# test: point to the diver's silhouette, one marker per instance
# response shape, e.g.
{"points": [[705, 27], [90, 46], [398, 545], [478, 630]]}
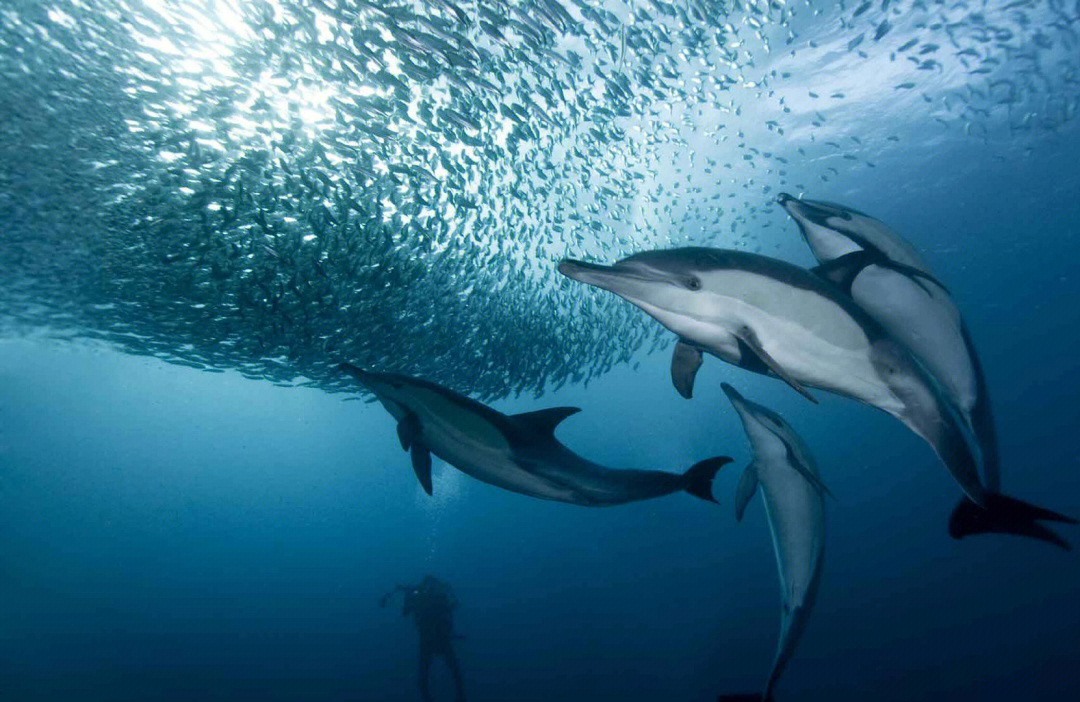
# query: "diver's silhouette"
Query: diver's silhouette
{"points": [[431, 604]]}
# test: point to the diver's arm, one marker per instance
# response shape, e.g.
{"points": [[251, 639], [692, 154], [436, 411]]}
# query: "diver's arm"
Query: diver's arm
{"points": [[397, 588]]}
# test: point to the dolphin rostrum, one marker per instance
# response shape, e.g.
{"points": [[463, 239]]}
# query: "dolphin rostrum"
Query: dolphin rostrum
{"points": [[886, 277], [770, 316], [795, 507], [515, 452]]}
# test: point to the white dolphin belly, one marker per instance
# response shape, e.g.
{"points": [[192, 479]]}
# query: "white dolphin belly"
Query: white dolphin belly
{"points": [[811, 336], [797, 522]]}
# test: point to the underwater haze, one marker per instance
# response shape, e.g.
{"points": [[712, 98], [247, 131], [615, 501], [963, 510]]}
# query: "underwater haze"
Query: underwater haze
{"points": [[207, 205]]}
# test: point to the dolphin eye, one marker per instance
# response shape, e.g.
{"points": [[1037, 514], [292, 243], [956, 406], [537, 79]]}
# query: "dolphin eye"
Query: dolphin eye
{"points": [[693, 283]]}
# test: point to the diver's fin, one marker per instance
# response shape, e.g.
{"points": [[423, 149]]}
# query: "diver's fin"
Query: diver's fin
{"points": [[982, 421], [745, 490], [699, 477], [748, 337], [421, 463], [544, 421], [408, 430], [1006, 515], [685, 361]]}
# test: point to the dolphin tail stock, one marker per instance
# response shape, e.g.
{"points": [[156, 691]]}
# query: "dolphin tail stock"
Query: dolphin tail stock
{"points": [[698, 479], [925, 410], [1006, 515], [982, 420]]}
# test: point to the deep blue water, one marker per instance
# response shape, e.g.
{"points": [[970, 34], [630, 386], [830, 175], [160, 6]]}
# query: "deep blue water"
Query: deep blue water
{"points": [[172, 533]]}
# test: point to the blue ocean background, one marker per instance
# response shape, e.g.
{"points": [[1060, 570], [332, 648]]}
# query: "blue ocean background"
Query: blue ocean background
{"points": [[176, 534]]}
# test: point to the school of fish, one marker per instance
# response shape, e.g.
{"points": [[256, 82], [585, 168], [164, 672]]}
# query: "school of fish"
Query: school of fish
{"points": [[257, 186], [400, 199]]}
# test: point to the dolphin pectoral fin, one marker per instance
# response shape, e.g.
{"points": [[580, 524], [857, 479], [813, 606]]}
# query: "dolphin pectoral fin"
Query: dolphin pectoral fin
{"points": [[750, 339], [544, 421], [745, 490], [421, 463], [685, 361], [408, 430]]}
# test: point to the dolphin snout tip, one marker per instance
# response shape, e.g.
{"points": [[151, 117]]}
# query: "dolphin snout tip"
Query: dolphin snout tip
{"points": [[355, 371], [731, 392], [580, 270], [568, 267]]}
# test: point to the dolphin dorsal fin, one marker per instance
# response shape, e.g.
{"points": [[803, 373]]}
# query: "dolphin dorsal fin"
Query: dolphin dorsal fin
{"points": [[544, 421], [685, 361], [745, 490], [842, 271]]}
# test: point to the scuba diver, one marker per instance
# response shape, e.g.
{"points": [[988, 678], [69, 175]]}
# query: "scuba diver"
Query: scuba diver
{"points": [[431, 604]]}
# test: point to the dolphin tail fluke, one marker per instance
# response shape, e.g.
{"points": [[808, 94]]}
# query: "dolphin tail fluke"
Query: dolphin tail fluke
{"points": [[1006, 515], [699, 478]]}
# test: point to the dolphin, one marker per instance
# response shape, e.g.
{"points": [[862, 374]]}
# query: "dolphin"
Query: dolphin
{"points": [[795, 507], [516, 452], [886, 277], [769, 316]]}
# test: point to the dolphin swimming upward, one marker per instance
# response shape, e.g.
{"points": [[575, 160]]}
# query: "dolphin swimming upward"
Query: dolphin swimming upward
{"points": [[795, 507], [766, 315], [515, 452], [885, 276]]}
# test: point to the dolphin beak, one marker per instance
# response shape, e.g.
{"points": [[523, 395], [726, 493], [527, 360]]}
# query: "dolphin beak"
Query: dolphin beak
{"points": [[733, 395], [584, 272], [738, 402], [365, 377], [792, 205], [610, 278]]}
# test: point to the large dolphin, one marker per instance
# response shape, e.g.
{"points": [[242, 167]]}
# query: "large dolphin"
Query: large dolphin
{"points": [[889, 280], [767, 315], [515, 452], [795, 507]]}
